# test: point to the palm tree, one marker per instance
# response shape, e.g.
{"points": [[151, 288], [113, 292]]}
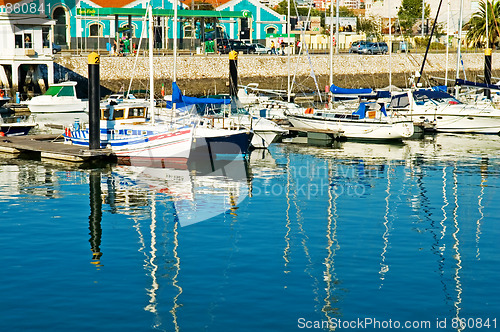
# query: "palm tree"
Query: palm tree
{"points": [[476, 27]]}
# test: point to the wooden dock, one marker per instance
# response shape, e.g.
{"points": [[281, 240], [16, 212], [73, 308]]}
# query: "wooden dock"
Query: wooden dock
{"points": [[53, 147]]}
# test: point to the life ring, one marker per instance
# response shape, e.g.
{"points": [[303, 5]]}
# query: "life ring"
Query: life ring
{"points": [[309, 111], [2, 93]]}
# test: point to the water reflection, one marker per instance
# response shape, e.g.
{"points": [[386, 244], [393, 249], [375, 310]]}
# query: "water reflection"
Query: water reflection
{"points": [[95, 216], [418, 217], [422, 163]]}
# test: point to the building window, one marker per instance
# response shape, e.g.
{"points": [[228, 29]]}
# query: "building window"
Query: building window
{"points": [[19, 41], [270, 30], [188, 31], [95, 30], [46, 36], [23, 40], [28, 40], [60, 28], [127, 31]]}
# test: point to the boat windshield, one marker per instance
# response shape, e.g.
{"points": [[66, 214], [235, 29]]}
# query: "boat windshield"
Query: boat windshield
{"points": [[61, 91]]}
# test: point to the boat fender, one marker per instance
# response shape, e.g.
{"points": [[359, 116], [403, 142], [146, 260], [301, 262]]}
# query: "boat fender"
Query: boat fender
{"points": [[2, 134], [309, 111], [67, 132]]}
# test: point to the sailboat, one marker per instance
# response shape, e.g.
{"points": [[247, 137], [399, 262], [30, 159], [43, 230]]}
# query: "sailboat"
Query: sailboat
{"points": [[125, 130], [209, 138], [369, 121], [447, 113]]}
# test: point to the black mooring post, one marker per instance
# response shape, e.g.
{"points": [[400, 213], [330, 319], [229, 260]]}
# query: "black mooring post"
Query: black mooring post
{"points": [[487, 71], [94, 98], [233, 73]]}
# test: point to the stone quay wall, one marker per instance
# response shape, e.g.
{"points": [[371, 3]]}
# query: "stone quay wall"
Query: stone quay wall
{"points": [[209, 74]]}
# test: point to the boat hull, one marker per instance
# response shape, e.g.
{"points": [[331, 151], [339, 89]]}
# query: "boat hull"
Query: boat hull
{"points": [[16, 129], [169, 147], [369, 130], [459, 123]]}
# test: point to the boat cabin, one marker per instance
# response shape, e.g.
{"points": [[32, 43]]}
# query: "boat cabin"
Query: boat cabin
{"points": [[125, 111]]}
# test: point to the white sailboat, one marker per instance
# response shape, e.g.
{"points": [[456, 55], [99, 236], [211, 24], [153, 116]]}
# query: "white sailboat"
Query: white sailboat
{"points": [[447, 113], [125, 130]]}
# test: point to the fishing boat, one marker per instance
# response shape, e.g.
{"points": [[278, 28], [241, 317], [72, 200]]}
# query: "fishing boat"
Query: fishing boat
{"points": [[125, 129], [446, 113]]}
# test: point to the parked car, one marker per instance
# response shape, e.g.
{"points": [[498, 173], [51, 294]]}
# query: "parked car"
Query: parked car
{"points": [[225, 46], [260, 49], [56, 48], [357, 45], [375, 48]]}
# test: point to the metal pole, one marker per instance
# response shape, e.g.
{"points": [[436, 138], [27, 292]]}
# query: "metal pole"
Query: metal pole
{"points": [[331, 43], [151, 71], [457, 74], [94, 99], [288, 27], [423, 14], [337, 29]]}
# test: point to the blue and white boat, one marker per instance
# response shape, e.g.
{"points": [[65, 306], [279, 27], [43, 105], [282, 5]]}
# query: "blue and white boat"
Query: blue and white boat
{"points": [[125, 129]]}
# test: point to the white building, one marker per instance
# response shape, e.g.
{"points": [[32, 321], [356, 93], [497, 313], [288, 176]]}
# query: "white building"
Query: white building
{"points": [[384, 8], [25, 48]]}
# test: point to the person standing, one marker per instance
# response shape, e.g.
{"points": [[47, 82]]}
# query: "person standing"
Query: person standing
{"points": [[273, 47]]}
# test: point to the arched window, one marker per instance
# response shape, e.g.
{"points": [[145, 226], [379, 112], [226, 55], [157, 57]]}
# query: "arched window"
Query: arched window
{"points": [[95, 30], [129, 32], [60, 28], [270, 30], [188, 31]]}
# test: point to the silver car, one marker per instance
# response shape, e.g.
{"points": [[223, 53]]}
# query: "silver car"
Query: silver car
{"points": [[260, 49]]}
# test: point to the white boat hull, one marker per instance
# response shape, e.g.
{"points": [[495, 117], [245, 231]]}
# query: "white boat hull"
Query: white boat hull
{"points": [[49, 104], [372, 130], [467, 122]]}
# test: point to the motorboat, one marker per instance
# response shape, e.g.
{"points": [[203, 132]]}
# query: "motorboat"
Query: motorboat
{"points": [[59, 107], [446, 113], [59, 98]]}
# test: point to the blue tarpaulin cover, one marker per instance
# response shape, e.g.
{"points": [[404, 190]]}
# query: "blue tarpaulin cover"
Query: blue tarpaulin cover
{"points": [[336, 89], [182, 100]]}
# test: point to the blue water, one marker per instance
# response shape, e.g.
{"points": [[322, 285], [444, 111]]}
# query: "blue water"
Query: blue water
{"points": [[299, 237]]}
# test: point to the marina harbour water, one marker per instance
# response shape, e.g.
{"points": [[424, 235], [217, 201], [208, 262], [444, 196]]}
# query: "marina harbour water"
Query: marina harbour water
{"points": [[356, 236]]}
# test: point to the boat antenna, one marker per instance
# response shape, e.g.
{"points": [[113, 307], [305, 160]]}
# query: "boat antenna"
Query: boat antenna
{"points": [[429, 42]]}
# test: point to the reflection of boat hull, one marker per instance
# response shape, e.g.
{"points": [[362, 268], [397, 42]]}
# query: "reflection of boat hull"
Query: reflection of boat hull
{"points": [[355, 129], [262, 139]]}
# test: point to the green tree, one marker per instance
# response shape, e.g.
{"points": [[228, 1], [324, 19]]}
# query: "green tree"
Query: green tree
{"points": [[476, 27], [369, 26], [410, 13], [282, 8]]}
